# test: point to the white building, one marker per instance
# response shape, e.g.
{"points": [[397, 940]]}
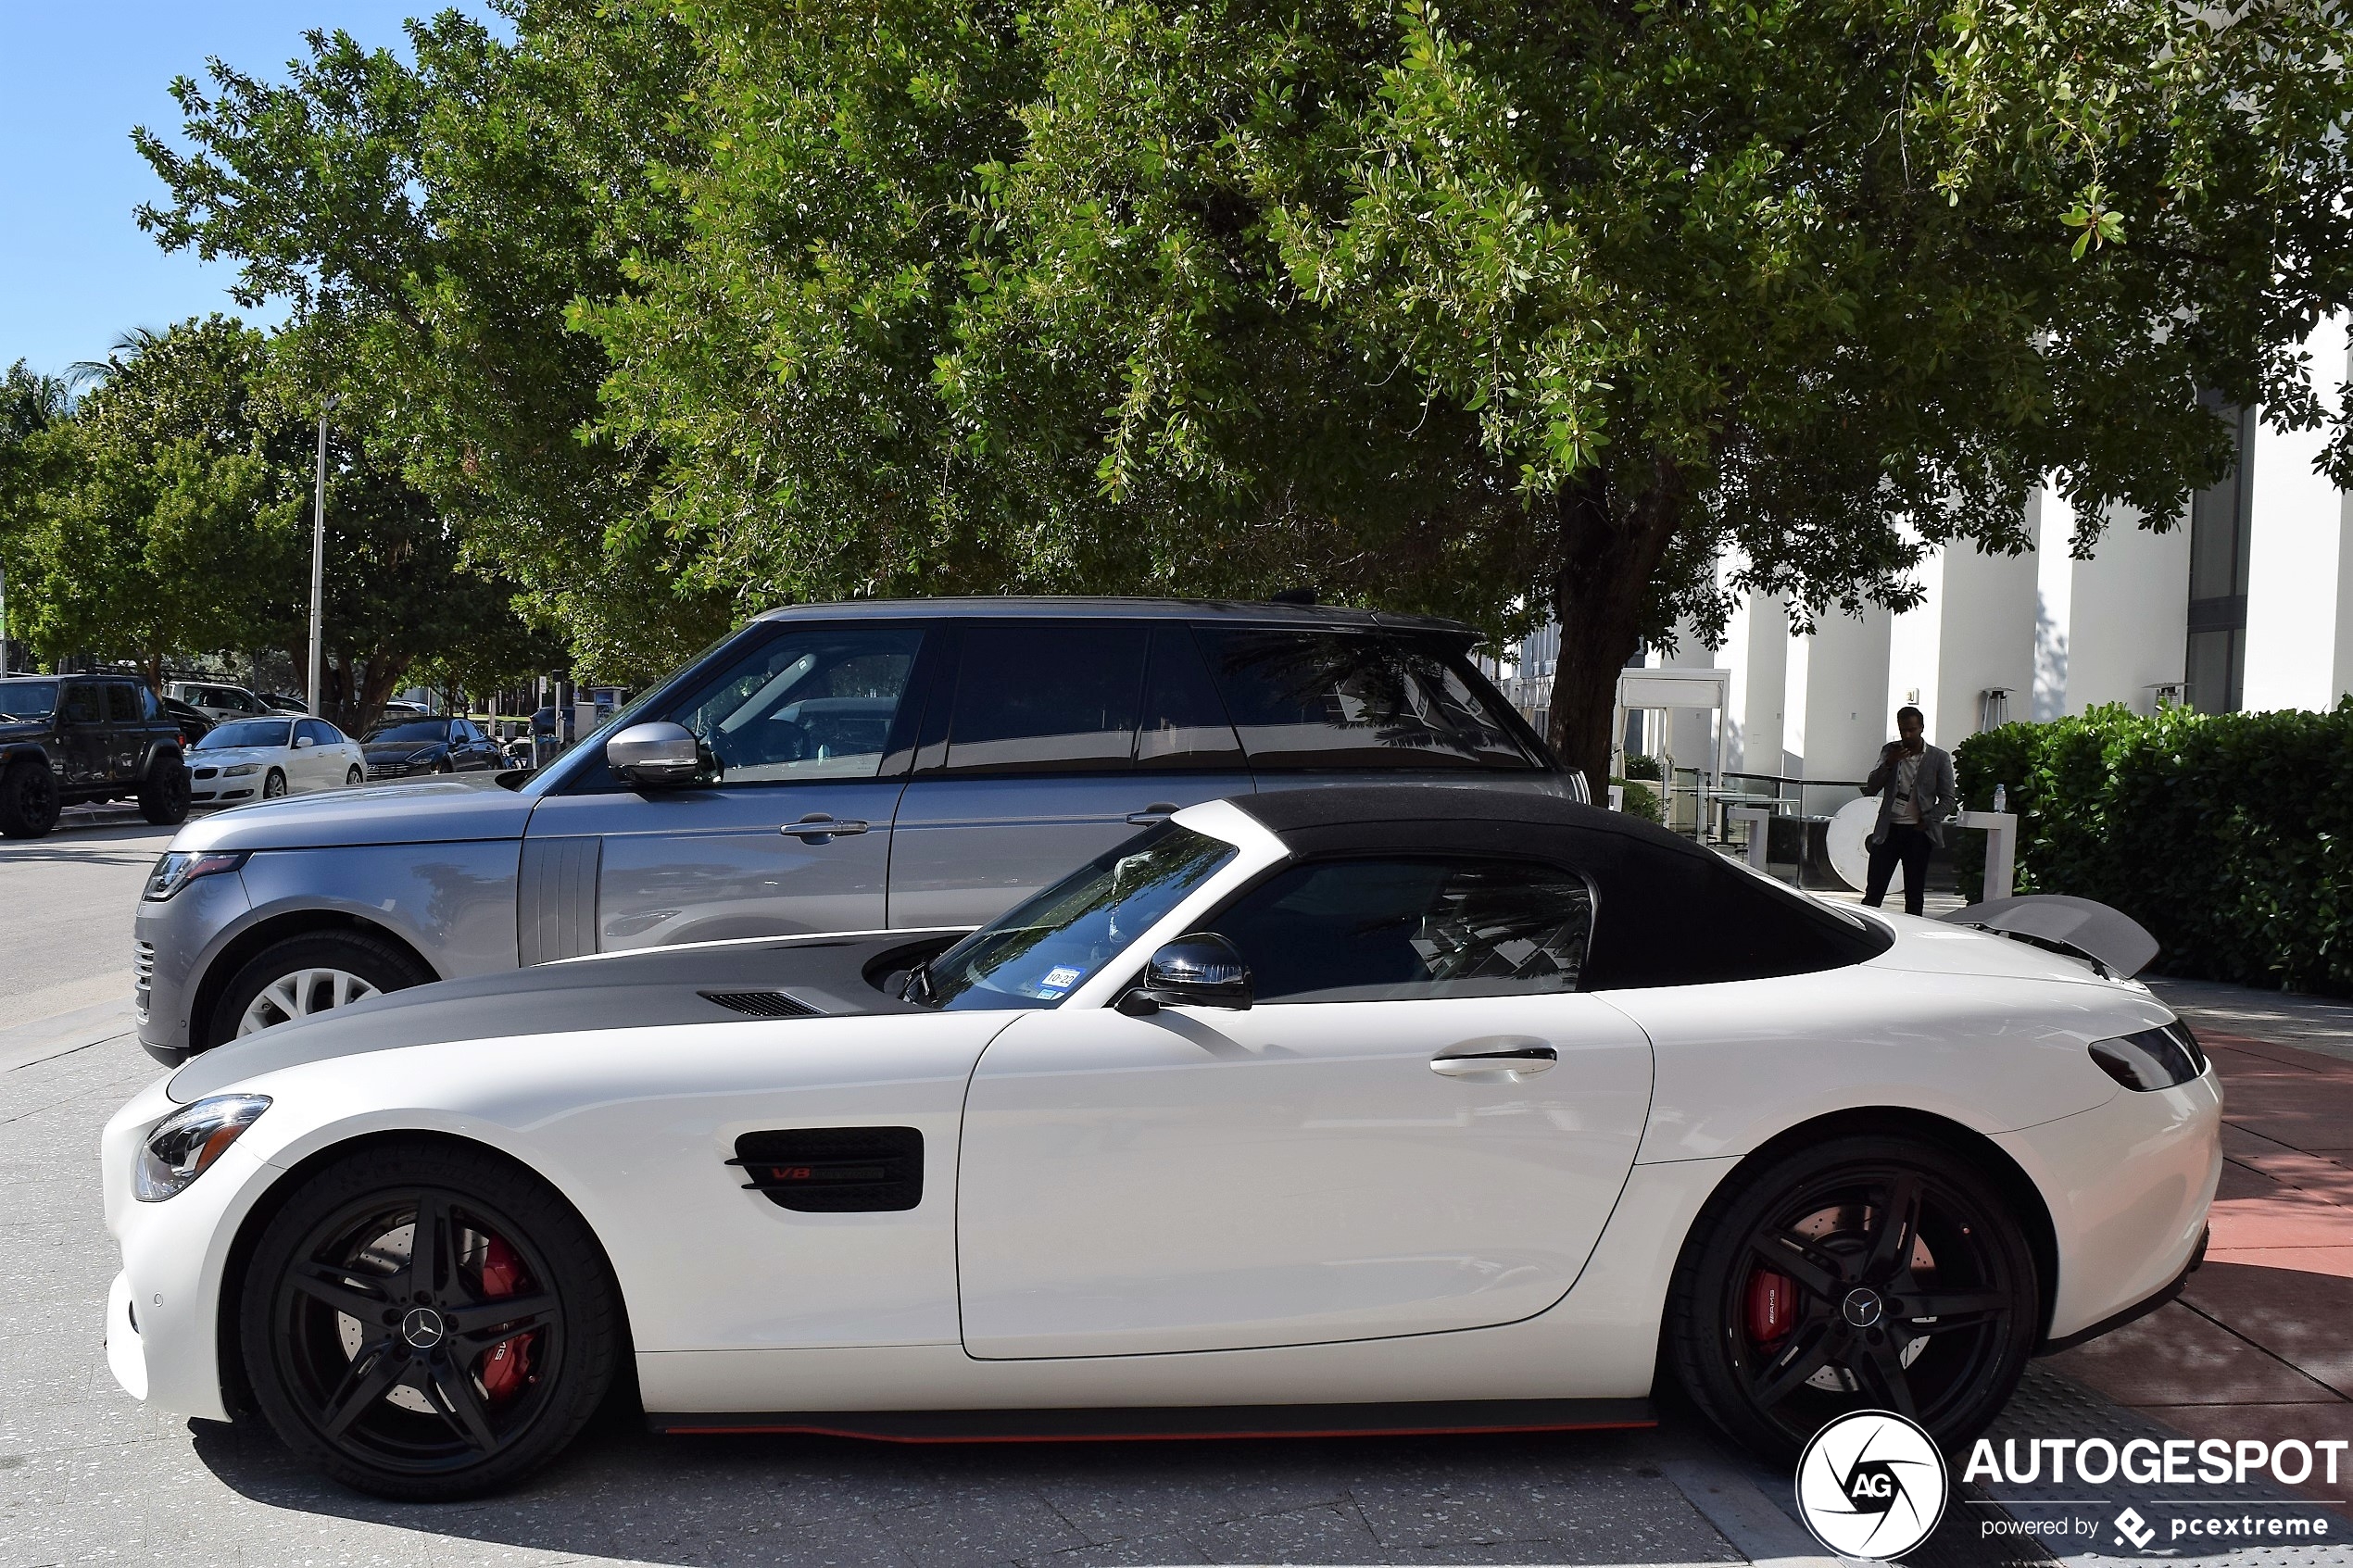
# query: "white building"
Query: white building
{"points": [[2247, 603]]}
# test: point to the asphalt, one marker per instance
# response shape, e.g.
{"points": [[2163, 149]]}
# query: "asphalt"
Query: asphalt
{"points": [[88, 1475]]}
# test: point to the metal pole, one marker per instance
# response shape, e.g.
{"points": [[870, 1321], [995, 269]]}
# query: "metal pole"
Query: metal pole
{"points": [[318, 559], [4, 623]]}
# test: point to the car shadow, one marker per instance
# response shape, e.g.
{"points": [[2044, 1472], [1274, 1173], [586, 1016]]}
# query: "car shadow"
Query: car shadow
{"points": [[620, 1492]]}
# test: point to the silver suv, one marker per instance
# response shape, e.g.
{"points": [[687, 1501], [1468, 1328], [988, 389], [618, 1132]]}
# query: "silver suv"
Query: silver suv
{"points": [[828, 768]]}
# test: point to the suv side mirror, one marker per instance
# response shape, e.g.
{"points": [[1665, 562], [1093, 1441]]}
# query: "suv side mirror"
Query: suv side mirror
{"points": [[1199, 970], [658, 755]]}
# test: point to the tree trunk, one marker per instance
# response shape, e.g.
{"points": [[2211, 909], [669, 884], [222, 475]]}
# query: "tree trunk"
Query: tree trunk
{"points": [[1608, 552]]}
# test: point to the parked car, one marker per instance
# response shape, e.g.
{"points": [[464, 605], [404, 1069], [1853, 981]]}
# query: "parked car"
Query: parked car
{"points": [[263, 758], [217, 702], [827, 768], [406, 747], [70, 740], [193, 723], [1353, 1110], [281, 703]]}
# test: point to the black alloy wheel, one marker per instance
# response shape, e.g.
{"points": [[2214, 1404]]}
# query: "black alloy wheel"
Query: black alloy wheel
{"points": [[428, 1322], [1862, 1274], [164, 795], [273, 786], [28, 798]]}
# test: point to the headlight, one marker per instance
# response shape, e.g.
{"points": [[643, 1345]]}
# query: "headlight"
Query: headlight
{"points": [[241, 770], [2152, 1059], [416, 756], [185, 1145], [180, 867]]}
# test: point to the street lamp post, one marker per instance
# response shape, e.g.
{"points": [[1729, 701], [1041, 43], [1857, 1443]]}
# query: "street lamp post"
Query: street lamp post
{"points": [[4, 623], [318, 559]]}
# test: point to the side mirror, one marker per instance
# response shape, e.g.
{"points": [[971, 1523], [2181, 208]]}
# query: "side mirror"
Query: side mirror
{"points": [[658, 755], [305, 744], [1201, 970]]}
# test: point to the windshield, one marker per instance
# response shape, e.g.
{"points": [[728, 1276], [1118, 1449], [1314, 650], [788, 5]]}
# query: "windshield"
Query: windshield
{"points": [[28, 699], [422, 732], [1051, 945], [246, 731]]}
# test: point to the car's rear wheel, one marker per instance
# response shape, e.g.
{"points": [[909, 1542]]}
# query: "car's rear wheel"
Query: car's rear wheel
{"points": [[164, 794], [1864, 1273], [28, 798], [306, 975], [428, 1322], [353, 778]]}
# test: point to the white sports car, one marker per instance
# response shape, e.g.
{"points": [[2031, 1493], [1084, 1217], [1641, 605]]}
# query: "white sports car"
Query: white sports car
{"points": [[1333, 1109]]}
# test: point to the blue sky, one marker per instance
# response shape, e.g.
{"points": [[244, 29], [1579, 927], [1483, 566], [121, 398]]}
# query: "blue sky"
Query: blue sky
{"points": [[75, 271]]}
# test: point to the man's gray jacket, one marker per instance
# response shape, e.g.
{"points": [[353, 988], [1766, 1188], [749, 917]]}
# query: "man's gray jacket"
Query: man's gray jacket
{"points": [[1933, 790]]}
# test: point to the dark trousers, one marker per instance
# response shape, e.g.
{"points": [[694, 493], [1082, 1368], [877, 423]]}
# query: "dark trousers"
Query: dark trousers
{"points": [[1909, 846]]}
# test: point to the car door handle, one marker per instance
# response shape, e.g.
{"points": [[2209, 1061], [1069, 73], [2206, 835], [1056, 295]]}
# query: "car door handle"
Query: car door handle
{"points": [[1158, 811], [1464, 1061], [817, 827]]}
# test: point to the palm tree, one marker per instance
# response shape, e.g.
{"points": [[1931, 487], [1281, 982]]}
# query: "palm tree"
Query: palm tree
{"points": [[120, 352]]}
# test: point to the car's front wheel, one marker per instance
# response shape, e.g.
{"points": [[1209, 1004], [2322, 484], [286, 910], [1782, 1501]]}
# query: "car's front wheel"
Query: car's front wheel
{"points": [[428, 1322], [1862, 1273], [28, 798], [305, 975], [274, 786]]}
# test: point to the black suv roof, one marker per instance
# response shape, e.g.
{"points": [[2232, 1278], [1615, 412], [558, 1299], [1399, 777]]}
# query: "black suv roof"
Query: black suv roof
{"points": [[1041, 605]]}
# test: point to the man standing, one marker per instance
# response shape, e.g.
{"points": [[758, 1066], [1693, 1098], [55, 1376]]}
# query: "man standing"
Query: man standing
{"points": [[1914, 782]]}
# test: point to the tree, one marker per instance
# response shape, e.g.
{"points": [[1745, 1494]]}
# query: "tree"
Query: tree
{"points": [[32, 406], [1488, 307]]}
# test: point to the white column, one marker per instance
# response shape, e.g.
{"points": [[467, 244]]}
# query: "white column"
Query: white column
{"points": [[2052, 521], [2127, 615], [1985, 639], [1765, 697], [1849, 717], [1915, 648], [2296, 606]]}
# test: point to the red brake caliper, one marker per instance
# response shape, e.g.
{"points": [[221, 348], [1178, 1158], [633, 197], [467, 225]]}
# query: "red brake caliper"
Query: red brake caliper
{"points": [[506, 1366], [1772, 1308]]}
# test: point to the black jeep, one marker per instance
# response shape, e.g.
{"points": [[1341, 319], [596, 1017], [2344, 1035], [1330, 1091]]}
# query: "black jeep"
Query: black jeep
{"points": [[70, 739]]}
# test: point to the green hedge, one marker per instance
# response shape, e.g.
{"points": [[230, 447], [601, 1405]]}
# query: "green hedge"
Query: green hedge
{"points": [[2229, 835]]}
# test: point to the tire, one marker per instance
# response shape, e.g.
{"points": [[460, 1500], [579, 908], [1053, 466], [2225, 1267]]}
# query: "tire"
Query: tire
{"points": [[273, 786], [1791, 1303], [306, 975], [353, 778], [445, 765], [28, 798], [434, 1383], [163, 794]]}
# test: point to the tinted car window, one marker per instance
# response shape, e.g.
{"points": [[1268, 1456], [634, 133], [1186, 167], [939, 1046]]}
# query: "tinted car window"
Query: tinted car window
{"points": [[1185, 725], [121, 707], [1343, 700], [246, 731], [812, 703], [1047, 697], [1367, 930], [81, 705], [28, 699], [148, 707], [414, 732], [315, 731]]}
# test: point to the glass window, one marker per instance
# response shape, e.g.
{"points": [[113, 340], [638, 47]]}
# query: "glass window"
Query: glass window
{"points": [[28, 699], [148, 707], [81, 705], [1342, 700], [246, 731], [1185, 725], [411, 732], [1047, 697], [1051, 945], [1384, 930], [811, 703], [314, 731], [121, 707]]}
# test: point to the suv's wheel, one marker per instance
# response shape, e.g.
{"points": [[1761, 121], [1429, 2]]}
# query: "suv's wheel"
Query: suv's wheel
{"points": [[28, 798], [308, 974], [274, 786], [163, 795], [428, 1322], [1862, 1273]]}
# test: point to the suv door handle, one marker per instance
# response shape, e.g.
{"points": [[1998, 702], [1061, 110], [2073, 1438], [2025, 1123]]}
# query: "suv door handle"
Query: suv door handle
{"points": [[1464, 1060], [1158, 811], [817, 827]]}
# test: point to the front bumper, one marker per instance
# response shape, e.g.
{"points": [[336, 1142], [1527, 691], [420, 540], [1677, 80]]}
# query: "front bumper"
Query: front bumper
{"points": [[170, 940]]}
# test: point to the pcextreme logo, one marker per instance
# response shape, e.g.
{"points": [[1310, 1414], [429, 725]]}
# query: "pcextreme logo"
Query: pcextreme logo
{"points": [[1871, 1485]]}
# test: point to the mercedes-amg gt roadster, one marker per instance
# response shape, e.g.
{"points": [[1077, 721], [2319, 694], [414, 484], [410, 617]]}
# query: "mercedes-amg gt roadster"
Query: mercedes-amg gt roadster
{"points": [[1340, 1109]]}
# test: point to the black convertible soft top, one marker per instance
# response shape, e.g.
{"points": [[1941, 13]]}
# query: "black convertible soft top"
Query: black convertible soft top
{"points": [[1667, 912]]}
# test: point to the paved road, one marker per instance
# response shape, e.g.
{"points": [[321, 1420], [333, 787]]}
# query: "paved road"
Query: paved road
{"points": [[88, 1475]]}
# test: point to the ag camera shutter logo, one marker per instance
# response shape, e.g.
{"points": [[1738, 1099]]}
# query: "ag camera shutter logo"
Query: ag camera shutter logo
{"points": [[1871, 1485]]}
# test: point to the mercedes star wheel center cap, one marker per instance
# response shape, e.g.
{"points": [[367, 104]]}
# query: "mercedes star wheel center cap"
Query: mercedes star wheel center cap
{"points": [[423, 1328], [1861, 1306]]}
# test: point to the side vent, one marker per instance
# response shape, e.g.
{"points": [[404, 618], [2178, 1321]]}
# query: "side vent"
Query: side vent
{"points": [[762, 1004], [834, 1170], [556, 899]]}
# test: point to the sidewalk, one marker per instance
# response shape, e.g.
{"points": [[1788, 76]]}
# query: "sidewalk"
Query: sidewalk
{"points": [[2261, 1344]]}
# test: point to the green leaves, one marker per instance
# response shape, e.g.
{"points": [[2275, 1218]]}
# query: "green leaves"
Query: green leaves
{"points": [[2101, 224]]}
